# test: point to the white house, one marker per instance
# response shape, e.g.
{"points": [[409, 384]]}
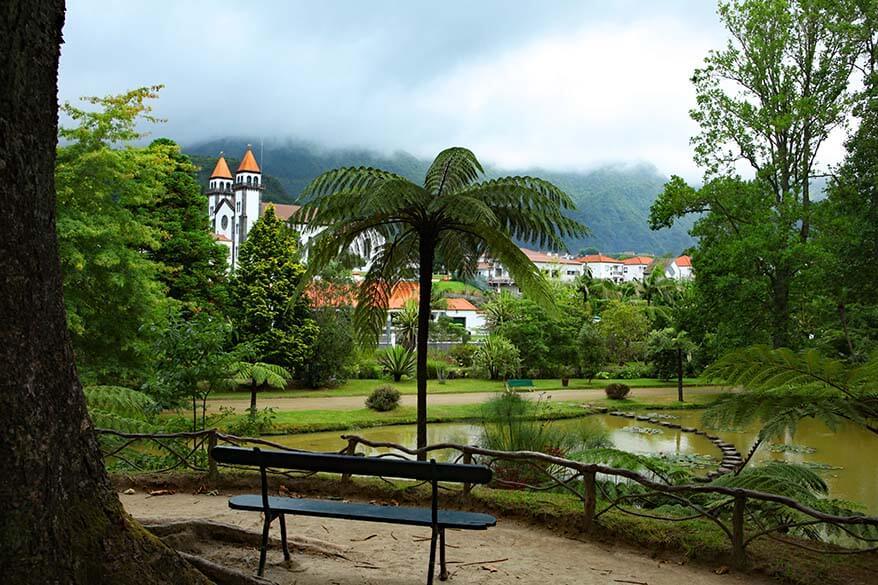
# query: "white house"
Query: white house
{"points": [[604, 267], [635, 268], [680, 268], [555, 266]]}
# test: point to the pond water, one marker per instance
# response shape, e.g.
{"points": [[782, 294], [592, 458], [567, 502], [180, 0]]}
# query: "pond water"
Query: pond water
{"points": [[849, 453]]}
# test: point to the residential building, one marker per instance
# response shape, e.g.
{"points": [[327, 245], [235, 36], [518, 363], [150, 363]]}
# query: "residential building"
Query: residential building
{"points": [[680, 268], [603, 267], [635, 268]]}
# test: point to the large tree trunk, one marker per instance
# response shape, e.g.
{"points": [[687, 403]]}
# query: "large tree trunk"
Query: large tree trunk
{"points": [[61, 519], [426, 253]]}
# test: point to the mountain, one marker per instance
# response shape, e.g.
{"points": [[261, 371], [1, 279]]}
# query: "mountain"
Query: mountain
{"points": [[613, 201]]}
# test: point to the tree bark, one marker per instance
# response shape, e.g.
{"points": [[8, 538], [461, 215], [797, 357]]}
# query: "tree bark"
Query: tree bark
{"points": [[680, 374], [61, 521], [426, 257]]}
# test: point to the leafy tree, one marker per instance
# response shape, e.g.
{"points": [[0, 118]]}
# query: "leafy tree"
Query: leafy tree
{"points": [[625, 327], [498, 357], [333, 348], [112, 291], [592, 351], [192, 361], [452, 219], [193, 263], [270, 315], [259, 376], [669, 350], [769, 100]]}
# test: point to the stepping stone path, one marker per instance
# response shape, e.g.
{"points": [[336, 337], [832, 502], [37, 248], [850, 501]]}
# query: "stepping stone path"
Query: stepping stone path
{"points": [[730, 462]]}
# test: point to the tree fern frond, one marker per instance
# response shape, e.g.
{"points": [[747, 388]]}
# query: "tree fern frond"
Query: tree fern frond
{"points": [[785, 479], [104, 419], [452, 169], [120, 401]]}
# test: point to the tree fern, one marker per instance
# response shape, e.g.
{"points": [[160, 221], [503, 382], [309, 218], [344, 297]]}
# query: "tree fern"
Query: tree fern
{"points": [[451, 219], [119, 402]]}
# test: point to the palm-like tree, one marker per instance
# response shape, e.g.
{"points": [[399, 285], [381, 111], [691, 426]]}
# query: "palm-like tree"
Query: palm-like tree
{"points": [[258, 376], [656, 287], [451, 220]]}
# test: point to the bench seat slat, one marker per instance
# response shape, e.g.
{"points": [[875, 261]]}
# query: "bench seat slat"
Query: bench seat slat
{"points": [[364, 512]]}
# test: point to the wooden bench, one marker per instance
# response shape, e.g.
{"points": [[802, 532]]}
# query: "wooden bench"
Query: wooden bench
{"points": [[278, 507], [512, 385]]}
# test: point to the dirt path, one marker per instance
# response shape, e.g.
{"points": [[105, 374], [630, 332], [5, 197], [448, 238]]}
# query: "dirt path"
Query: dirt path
{"points": [[392, 555], [354, 402]]}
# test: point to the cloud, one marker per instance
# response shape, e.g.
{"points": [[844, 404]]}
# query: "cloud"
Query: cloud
{"points": [[526, 83]]}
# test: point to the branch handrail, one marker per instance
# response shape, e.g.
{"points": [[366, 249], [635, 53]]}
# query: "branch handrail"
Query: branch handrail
{"points": [[544, 463]]}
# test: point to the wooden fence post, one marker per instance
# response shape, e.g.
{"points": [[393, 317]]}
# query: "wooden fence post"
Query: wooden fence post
{"points": [[738, 553], [212, 470], [351, 449], [589, 498], [467, 460]]}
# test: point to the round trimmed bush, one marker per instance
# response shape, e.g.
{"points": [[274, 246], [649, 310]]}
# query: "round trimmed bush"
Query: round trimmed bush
{"points": [[617, 391], [383, 398]]}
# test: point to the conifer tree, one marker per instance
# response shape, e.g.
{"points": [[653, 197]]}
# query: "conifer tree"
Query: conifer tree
{"points": [[269, 315]]}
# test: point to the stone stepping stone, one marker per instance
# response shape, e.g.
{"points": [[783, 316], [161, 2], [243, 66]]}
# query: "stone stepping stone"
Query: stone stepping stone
{"points": [[687, 429]]}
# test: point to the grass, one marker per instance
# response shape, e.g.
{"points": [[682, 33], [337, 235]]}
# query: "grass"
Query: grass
{"points": [[457, 386]]}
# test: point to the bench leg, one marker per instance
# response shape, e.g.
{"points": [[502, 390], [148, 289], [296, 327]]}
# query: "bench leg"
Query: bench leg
{"points": [[432, 567], [262, 551], [283, 536], [443, 572]]}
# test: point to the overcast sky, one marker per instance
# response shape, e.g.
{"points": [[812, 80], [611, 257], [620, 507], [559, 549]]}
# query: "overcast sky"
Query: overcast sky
{"points": [[562, 85]]}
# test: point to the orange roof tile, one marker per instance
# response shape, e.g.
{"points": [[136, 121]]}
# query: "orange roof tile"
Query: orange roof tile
{"points": [[597, 259], [221, 238], [459, 305], [683, 261], [248, 163], [546, 258], [221, 170], [638, 260], [282, 210]]}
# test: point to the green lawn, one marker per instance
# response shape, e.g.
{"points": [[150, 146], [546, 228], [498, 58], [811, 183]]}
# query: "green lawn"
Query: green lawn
{"points": [[459, 386]]}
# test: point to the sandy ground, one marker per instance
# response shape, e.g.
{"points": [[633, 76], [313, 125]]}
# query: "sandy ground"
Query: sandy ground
{"points": [[353, 402], [389, 554]]}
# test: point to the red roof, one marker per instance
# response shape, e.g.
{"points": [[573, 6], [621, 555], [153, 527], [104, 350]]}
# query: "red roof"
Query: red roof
{"points": [[248, 163], [221, 170], [324, 294], [221, 238], [597, 259], [683, 261], [281, 210], [456, 304], [546, 258], [638, 260]]}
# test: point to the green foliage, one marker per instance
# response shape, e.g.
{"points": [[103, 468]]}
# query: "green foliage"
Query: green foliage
{"points": [[112, 291], [781, 387], [625, 327], [333, 350], [662, 347], [616, 391], [121, 409], [259, 376], [406, 324], [463, 354], [270, 316], [592, 351], [383, 399], [253, 423], [497, 357], [398, 361]]}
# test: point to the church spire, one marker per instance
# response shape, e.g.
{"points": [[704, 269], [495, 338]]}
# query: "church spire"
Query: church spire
{"points": [[221, 170], [248, 163]]}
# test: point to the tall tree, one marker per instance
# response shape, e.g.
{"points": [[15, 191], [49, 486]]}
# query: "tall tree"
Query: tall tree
{"points": [[62, 521], [769, 100], [270, 317], [452, 217], [193, 264], [112, 289]]}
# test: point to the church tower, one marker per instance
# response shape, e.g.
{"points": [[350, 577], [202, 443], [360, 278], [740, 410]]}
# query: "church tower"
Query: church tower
{"points": [[247, 196], [220, 199]]}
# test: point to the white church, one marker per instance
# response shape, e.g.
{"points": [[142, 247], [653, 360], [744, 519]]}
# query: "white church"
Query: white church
{"points": [[234, 202]]}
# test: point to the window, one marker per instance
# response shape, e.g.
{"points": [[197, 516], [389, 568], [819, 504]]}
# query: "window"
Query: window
{"points": [[225, 222], [255, 180], [249, 180]]}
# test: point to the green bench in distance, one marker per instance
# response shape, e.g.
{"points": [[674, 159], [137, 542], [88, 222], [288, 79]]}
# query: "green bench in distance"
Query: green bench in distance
{"points": [[519, 385]]}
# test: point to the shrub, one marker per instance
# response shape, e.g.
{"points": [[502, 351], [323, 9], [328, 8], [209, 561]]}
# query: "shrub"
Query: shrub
{"points": [[617, 391], [634, 370], [397, 361], [592, 351], [253, 424], [437, 369], [497, 357], [463, 354], [383, 398]]}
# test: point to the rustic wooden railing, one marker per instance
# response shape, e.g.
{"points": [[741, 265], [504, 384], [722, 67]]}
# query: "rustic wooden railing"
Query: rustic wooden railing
{"points": [[737, 514]]}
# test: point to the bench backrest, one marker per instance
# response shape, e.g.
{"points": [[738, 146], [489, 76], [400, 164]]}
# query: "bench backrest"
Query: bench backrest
{"points": [[354, 465], [519, 383]]}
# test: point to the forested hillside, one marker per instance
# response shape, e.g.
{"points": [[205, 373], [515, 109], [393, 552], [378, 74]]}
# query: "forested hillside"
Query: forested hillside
{"points": [[613, 201]]}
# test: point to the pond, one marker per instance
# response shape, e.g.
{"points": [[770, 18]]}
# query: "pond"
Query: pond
{"points": [[846, 458]]}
